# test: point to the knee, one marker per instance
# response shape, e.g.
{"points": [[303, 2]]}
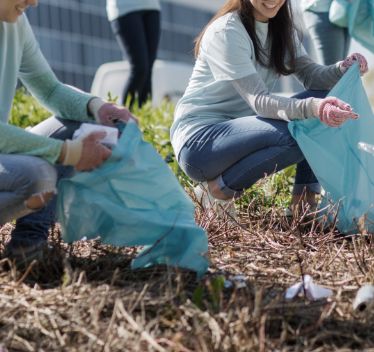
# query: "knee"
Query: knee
{"points": [[39, 200], [39, 185]]}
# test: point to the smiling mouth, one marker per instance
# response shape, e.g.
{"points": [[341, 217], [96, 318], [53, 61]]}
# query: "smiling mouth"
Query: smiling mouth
{"points": [[270, 6]]}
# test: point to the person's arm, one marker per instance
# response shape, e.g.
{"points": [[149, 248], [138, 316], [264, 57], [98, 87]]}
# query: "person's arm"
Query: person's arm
{"points": [[15, 140], [84, 154], [37, 76], [315, 76], [254, 91], [63, 100], [331, 111]]}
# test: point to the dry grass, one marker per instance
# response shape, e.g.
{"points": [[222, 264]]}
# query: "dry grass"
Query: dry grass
{"points": [[84, 297]]}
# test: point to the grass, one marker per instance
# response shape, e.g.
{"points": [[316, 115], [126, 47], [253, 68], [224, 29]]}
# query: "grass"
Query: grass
{"points": [[84, 297]]}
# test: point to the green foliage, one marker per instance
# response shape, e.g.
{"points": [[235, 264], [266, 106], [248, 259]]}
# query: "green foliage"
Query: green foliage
{"points": [[26, 111], [274, 190], [208, 295]]}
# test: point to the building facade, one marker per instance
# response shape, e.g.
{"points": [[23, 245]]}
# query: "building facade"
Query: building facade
{"points": [[76, 37]]}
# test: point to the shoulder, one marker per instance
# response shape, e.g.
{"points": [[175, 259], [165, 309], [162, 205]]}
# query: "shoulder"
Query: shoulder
{"points": [[227, 27], [230, 21], [23, 23], [17, 30]]}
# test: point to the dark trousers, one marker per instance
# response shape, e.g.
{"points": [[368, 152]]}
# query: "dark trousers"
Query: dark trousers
{"points": [[138, 34]]}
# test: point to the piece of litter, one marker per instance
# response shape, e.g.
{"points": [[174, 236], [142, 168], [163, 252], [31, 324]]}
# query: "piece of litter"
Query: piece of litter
{"points": [[238, 280], [364, 298], [110, 139], [312, 290]]}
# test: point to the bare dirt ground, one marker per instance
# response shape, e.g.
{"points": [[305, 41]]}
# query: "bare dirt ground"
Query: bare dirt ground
{"points": [[84, 297]]}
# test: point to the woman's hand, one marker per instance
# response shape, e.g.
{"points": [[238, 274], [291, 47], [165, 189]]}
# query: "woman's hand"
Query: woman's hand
{"points": [[334, 112], [351, 59], [109, 114], [85, 154]]}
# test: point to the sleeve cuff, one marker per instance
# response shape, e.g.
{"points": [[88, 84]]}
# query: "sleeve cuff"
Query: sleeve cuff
{"points": [[94, 106], [73, 152]]}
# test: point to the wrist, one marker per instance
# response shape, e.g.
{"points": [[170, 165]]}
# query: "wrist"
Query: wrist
{"points": [[341, 67], [315, 104], [71, 152], [94, 106]]}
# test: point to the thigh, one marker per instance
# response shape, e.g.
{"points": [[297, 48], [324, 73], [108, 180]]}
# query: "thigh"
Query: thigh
{"points": [[152, 32], [130, 33], [216, 148], [330, 41], [18, 172], [56, 127]]}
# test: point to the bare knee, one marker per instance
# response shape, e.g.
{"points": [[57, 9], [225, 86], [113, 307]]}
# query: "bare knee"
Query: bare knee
{"points": [[39, 200]]}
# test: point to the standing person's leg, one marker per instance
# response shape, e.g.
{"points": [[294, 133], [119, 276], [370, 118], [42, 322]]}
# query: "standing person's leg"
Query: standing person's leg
{"points": [[152, 32], [331, 43], [129, 32], [33, 229]]}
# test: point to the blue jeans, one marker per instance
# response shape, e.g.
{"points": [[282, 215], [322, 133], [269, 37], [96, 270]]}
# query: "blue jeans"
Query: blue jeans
{"points": [[21, 177], [241, 151], [331, 43], [35, 226]]}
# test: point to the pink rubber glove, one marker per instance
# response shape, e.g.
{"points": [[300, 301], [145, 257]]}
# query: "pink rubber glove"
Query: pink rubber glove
{"points": [[356, 57], [109, 114], [333, 112]]}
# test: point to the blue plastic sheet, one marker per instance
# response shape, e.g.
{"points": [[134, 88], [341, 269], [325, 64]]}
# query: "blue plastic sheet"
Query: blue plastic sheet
{"points": [[361, 22], [134, 199], [344, 171]]}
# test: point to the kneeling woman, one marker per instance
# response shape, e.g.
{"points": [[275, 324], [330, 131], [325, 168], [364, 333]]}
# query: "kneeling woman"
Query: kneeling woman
{"points": [[229, 129]]}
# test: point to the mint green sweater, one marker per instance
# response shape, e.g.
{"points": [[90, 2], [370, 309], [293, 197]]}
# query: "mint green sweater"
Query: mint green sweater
{"points": [[22, 59]]}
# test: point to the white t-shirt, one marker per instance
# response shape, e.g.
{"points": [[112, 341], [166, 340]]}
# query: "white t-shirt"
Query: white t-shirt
{"points": [[226, 54], [117, 8]]}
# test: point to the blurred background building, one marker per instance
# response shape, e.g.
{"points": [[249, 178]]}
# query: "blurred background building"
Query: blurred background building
{"points": [[76, 38]]}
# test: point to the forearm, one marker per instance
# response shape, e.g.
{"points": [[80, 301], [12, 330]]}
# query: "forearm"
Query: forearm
{"points": [[15, 140], [317, 77], [254, 92], [63, 100]]}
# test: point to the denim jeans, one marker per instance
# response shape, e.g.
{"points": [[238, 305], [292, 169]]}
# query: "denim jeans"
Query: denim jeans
{"points": [[36, 224], [21, 177], [331, 43], [241, 151]]}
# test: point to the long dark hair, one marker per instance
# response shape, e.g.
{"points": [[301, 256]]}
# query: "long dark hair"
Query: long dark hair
{"points": [[281, 35]]}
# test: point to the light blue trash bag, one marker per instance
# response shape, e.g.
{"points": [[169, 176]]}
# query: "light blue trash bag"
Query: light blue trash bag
{"points": [[361, 22], [134, 199], [344, 170]]}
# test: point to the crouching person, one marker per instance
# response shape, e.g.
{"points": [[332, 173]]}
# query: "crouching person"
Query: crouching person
{"points": [[31, 162]]}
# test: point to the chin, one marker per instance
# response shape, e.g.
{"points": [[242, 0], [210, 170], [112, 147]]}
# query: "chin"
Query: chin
{"points": [[10, 19]]}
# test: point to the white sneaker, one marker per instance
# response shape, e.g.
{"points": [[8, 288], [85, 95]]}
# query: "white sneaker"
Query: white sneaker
{"points": [[208, 202]]}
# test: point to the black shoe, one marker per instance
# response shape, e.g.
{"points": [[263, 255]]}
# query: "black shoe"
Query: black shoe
{"points": [[24, 250]]}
